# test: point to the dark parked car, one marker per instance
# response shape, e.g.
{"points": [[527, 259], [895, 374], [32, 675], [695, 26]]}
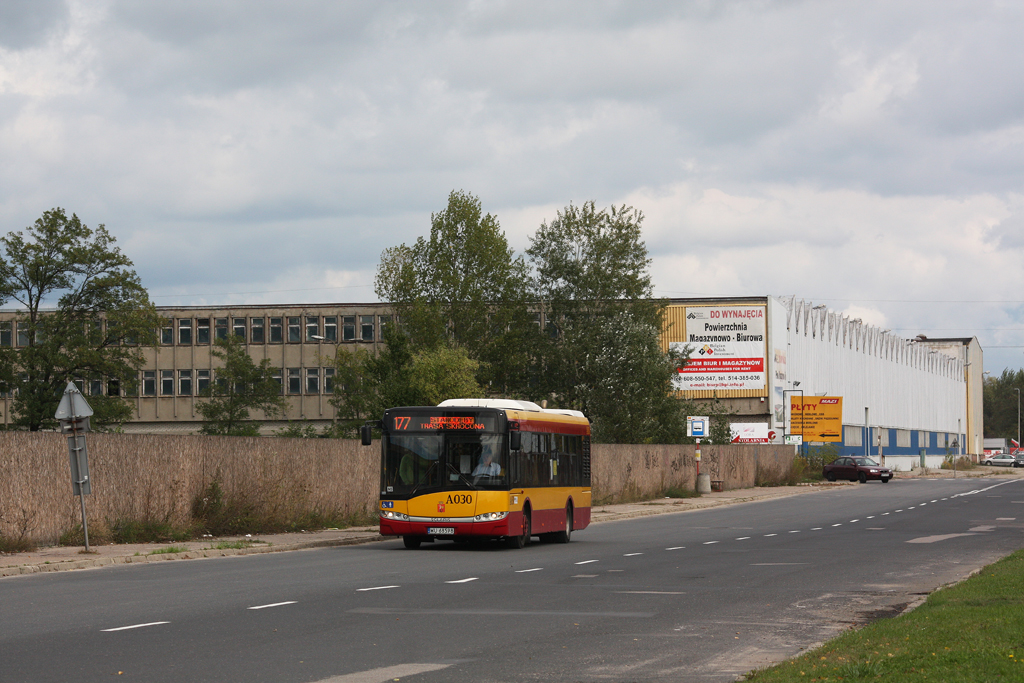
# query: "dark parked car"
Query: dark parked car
{"points": [[1018, 461], [856, 468]]}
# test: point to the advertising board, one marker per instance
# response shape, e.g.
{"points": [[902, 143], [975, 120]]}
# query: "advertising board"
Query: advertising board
{"points": [[751, 432], [728, 348], [816, 418]]}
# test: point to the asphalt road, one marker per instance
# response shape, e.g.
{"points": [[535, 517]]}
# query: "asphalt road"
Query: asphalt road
{"points": [[698, 596]]}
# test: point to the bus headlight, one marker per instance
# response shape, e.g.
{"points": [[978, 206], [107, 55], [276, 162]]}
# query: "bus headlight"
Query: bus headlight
{"points": [[391, 514], [490, 516]]}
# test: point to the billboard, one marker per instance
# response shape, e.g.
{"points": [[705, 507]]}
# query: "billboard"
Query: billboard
{"points": [[728, 348], [816, 418], [751, 432]]}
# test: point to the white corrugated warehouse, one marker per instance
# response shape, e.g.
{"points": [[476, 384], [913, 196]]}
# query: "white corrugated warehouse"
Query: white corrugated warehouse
{"points": [[759, 357]]}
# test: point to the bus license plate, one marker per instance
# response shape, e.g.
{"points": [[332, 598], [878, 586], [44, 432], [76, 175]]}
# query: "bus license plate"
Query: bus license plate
{"points": [[441, 530]]}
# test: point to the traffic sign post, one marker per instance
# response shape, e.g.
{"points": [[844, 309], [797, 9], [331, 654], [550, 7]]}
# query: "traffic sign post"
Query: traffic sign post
{"points": [[73, 413]]}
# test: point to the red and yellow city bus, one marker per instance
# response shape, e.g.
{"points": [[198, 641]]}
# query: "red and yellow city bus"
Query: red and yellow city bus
{"points": [[483, 468]]}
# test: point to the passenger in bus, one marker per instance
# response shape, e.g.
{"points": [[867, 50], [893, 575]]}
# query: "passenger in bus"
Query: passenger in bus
{"points": [[410, 464]]}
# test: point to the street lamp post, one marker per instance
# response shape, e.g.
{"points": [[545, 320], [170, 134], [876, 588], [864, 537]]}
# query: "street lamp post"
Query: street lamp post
{"points": [[1018, 417]]}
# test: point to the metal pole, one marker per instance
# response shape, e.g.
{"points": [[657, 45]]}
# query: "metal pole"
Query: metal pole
{"points": [[81, 482], [867, 433], [1018, 417]]}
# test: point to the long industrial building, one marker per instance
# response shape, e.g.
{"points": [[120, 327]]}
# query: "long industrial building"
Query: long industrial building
{"points": [[761, 359], [751, 359]]}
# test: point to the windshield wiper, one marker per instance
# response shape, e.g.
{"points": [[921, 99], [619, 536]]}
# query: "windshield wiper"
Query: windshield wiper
{"points": [[461, 476]]}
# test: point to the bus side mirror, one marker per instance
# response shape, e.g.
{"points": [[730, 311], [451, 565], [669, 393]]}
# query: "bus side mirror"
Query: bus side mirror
{"points": [[366, 434], [515, 441]]}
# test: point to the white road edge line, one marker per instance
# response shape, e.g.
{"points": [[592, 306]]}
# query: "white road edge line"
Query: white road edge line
{"points": [[273, 604], [374, 588], [125, 628], [472, 578]]}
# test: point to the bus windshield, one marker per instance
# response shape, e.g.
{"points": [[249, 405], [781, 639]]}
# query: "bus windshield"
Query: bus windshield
{"points": [[417, 463]]}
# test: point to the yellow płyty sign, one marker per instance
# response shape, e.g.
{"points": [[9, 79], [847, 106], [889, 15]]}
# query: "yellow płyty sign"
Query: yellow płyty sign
{"points": [[816, 418]]}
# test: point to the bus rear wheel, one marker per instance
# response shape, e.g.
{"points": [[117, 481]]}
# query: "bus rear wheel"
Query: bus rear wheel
{"points": [[566, 535], [412, 542], [523, 539]]}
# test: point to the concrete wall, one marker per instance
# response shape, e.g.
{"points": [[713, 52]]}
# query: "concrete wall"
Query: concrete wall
{"points": [[157, 477], [621, 473]]}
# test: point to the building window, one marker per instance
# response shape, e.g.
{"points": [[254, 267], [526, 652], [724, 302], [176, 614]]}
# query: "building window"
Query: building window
{"points": [[312, 328], [277, 378], [294, 331], [6, 337], [312, 380], [902, 438], [203, 331], [276, 336], [184, 382], [366, 328], [348, 328], [220, 328], [239, 328], [185, 331], [113, 387], [202, 381], [167, 333], [382, 322], [331, 328], [167, 382], [853, 436], [294, 381], [879, 437], [256, 330], [328, 380], [149, 382], [96, 387]]}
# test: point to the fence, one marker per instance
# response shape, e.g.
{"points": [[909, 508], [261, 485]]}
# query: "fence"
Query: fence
{"points": [[157, 477]]}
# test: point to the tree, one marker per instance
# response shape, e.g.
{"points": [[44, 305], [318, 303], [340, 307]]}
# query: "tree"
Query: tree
{"points": [[463, 288], [1000, 403], [240, 386], [101, 317], [602, 353], [365, 385]]}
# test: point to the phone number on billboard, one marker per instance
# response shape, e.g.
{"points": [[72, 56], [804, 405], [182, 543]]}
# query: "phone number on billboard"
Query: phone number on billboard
{"points": [[735, 378]]}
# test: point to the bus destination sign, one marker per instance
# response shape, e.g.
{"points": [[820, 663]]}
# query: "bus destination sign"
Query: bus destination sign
{"points": [[432, 423]]}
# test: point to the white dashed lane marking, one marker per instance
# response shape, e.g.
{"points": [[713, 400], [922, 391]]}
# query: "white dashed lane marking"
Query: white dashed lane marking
{"points": [[587, 561], [523, 571], [677, 547], [632, 554], [742, 538], [275, 604], [472, 578], [126, 628], [709, 542]]}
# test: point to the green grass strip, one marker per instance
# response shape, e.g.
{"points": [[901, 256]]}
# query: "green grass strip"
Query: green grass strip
{"points": [[169, 550], [973, 631]]}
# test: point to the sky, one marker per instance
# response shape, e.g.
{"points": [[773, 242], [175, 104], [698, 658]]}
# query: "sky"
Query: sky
{"points": [[868, 156]]}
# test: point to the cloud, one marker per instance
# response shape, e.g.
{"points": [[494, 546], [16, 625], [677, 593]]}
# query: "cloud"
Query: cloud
{"points": [[864, 153]]}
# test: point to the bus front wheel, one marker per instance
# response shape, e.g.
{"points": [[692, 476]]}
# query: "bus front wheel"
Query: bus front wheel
{"points": [[523, 539], [411, 542]]}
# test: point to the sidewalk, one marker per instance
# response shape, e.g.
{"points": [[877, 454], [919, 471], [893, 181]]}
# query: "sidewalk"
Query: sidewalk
{"points": [[66, 558]]}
